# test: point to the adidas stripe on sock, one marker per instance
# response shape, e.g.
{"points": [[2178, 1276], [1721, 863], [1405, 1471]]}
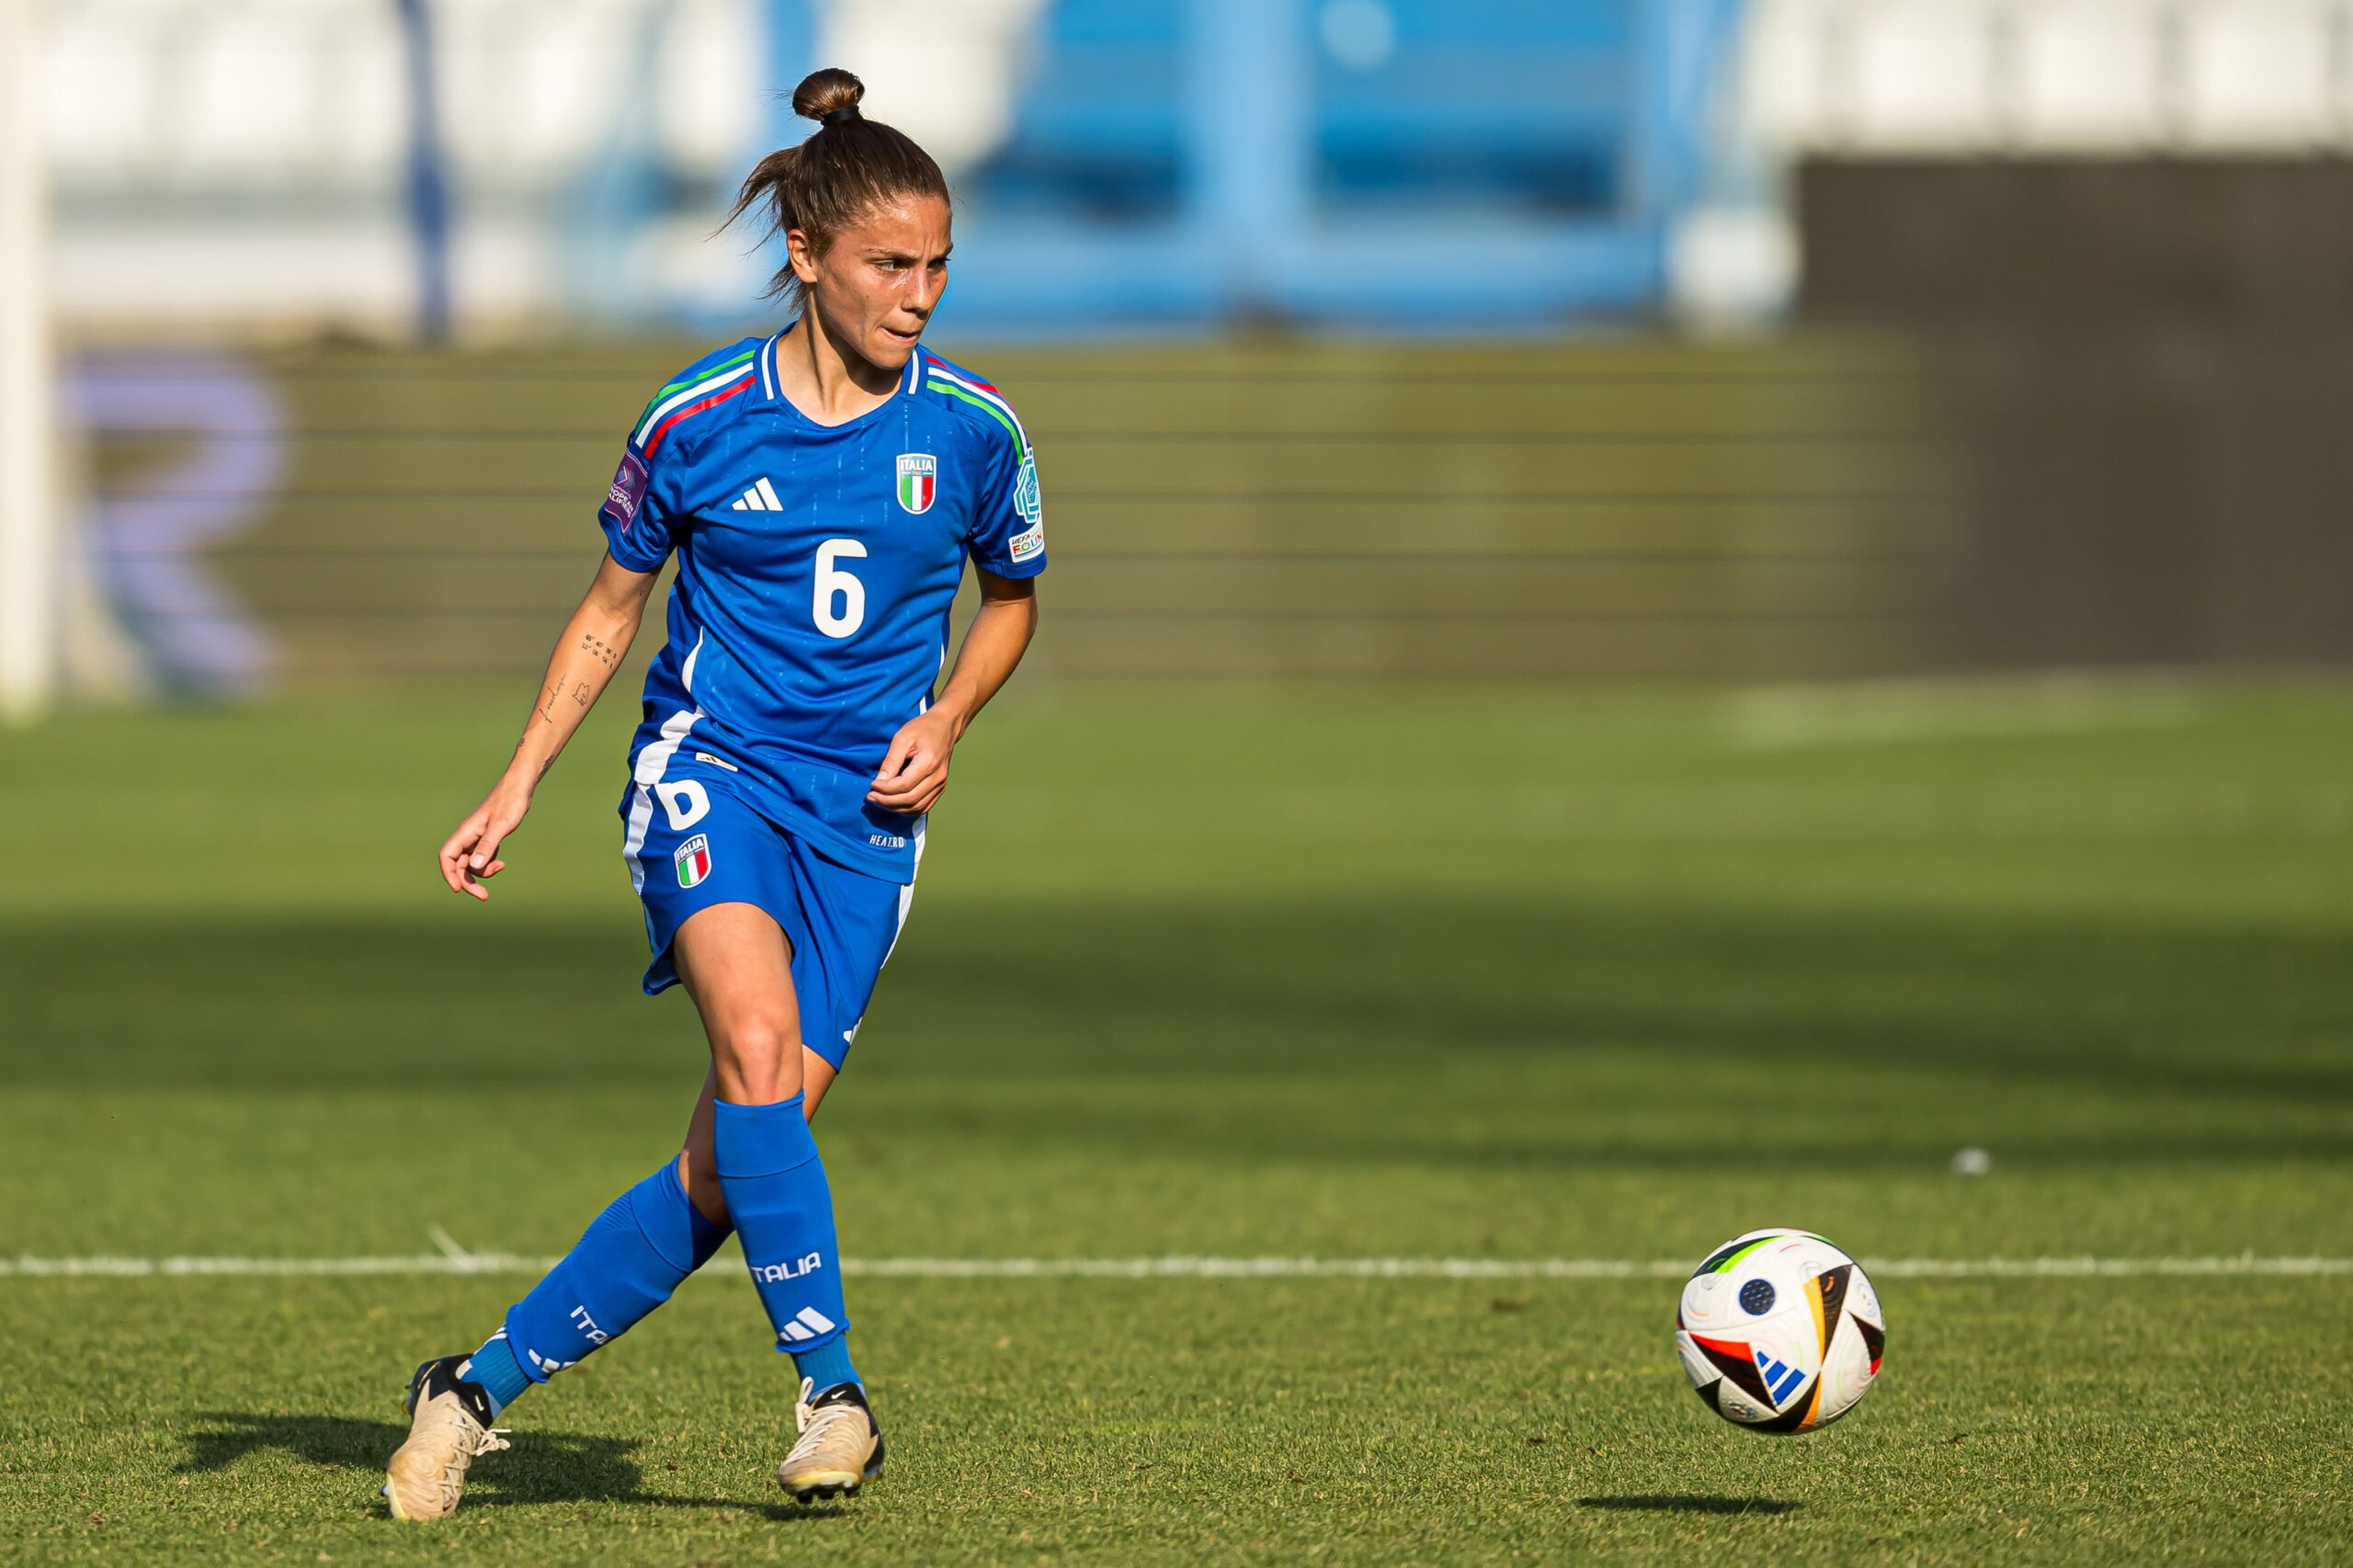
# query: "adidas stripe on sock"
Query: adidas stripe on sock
{"points": [[783, 1210]]}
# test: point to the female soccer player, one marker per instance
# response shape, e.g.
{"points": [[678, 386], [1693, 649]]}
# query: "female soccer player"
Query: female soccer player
{"points": [[821, 489]]}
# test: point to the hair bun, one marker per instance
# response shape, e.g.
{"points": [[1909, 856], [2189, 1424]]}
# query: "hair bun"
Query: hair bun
{"points": [[824, 184], [823, 94]]}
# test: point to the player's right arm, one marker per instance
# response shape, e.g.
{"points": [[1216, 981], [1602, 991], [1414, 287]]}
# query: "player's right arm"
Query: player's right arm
{"points": [[594, 642]]}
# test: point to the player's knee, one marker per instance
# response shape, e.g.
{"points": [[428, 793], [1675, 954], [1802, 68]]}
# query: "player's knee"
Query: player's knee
{"points": [[758, 1061]]}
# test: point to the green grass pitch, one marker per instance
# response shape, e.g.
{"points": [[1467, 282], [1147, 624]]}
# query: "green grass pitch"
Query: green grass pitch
{"points": [[1339, 972]]}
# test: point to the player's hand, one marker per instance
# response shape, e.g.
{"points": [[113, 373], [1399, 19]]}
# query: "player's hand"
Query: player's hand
{"points": [[470, 857], [914, 770]]}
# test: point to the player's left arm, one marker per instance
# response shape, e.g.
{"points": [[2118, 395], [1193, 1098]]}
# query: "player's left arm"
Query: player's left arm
{"points": [[914, 770]]}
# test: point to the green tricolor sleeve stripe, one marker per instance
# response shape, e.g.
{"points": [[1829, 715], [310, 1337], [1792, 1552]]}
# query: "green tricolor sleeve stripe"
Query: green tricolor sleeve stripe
{"points": [[991, 409], [684, 381]]}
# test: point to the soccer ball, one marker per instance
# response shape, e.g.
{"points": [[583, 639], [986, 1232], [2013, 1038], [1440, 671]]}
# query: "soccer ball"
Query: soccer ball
{"points": [[1780, 1332]]}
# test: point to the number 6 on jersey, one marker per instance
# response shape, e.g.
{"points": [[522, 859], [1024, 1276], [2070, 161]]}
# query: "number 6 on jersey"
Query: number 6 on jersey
{"points": [[830, 583]]}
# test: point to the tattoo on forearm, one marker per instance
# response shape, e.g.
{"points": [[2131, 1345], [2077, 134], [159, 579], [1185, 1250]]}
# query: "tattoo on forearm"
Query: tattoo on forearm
{"points": [[592, 643], [584, 695], [547, 708]]}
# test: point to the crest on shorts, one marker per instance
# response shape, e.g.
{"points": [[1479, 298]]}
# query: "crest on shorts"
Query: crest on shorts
{"points": [[918, 481], [693, 860]]}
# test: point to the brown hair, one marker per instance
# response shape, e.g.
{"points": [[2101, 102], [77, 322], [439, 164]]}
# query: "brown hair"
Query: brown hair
{"points": [[851, 165]]}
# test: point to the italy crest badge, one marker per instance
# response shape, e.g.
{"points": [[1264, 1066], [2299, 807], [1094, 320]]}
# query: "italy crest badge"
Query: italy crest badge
{"points": [[918, 481]]}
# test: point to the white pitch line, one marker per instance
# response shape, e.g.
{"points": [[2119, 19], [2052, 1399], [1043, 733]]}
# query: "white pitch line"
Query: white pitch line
{"points": [[461, 1262], [449, 1248]]}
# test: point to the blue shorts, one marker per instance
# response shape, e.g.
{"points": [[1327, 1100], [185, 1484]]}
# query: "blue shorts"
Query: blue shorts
{"points": [[693, 842]]}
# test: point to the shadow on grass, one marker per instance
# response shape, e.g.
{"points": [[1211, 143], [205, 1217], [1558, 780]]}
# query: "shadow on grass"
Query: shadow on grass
{"points": [[1675, 1503], [541, 1468], [1257, 987], [2092, 1042]]}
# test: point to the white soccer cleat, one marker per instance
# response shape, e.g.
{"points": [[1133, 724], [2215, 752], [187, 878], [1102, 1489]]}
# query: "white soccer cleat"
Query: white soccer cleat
{"points": [[449, 1429], [840, 1447]]}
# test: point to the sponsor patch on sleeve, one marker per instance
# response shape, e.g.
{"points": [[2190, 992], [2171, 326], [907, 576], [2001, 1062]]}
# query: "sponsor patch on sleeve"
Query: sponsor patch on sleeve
{"points": [[1029, 542], [629, 491], [1026, 499]]}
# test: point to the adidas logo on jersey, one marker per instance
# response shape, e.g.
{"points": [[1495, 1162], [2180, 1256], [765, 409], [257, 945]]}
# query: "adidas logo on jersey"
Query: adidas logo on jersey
{"points": [[761, 497]]}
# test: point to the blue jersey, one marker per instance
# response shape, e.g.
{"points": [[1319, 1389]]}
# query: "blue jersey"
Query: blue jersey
{"points": [[816, 564]]}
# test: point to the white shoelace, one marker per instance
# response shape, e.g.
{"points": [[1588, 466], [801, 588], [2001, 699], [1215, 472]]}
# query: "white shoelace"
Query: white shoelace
{"points": [[817, 1426], [472, 1441], [821, 1425]]}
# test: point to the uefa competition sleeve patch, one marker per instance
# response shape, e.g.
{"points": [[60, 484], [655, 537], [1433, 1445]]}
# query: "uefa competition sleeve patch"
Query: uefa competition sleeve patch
{"points": [[1025, 500], [629, 491]]}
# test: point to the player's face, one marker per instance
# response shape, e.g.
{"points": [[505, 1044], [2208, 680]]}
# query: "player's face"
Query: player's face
{"points": [[877, 284]]}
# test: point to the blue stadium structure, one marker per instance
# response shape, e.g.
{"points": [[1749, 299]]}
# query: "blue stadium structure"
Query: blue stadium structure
{"points": [[1398, 165]]}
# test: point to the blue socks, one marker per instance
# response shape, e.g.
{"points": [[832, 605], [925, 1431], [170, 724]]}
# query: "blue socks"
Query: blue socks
{"points": [[495, 1368], [626, 1264], [629, 1260], [827, 1365], [776, 1195]]}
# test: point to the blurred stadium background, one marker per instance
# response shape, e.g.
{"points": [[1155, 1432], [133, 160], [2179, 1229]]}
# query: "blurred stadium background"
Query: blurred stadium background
{"points": [[1664, 614], [1789, 339]]}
